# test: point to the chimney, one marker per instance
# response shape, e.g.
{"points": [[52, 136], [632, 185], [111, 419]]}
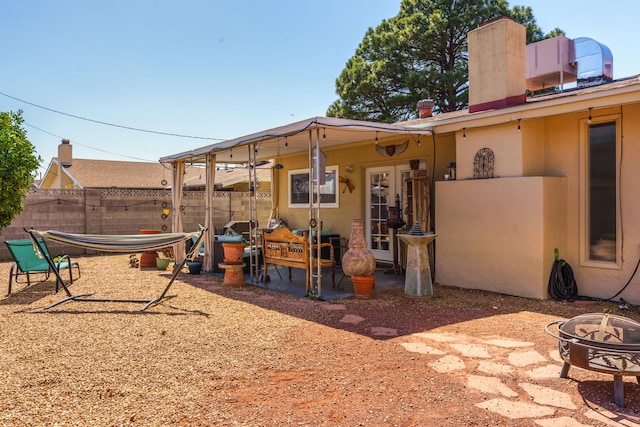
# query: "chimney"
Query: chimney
{"points": [[64, 153], [425, 108], [497, 65]]}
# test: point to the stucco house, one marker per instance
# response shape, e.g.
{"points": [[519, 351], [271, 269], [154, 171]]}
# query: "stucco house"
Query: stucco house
{"points": [[532, 173]]}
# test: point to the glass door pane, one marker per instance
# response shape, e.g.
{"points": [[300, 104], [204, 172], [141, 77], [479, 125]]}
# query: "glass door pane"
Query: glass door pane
{"points": [[379, 196]]}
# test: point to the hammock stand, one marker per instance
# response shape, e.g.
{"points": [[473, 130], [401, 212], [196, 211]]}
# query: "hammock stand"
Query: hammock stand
{"points": [[120, 244]]}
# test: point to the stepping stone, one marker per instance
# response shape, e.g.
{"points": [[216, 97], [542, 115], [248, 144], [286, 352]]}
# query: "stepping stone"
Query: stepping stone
{"points": [[246, 293], [526, 358], [555, 355], [548, 396], [472, 350], [543, 372], [489, 385], [439, 337], [494, 368], [213, 287], [560, 422], [266, 298], [508, 343], [515, 410], [333, 307], [609, 418], [379, 331], [448, 363], [351, 319], [420, 347]]}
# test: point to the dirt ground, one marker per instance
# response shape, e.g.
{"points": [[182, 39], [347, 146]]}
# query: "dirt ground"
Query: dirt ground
{"points": [[246, 356]]}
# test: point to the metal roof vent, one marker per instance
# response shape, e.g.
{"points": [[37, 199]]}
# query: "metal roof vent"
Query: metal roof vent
{"points": [[595, 62]]}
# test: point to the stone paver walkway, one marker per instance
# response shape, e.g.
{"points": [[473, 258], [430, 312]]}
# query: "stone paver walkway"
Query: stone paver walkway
{"points": [[486, 363]]}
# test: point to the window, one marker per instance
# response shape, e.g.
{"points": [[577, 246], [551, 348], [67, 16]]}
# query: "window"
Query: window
{"points": [[601, 240]]}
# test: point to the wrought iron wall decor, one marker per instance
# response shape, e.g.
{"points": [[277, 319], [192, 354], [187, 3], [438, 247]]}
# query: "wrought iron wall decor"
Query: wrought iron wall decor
{"points": [[483, 164]]}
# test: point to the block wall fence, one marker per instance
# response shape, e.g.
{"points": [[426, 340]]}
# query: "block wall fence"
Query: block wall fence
{"points": [[121, 211]]}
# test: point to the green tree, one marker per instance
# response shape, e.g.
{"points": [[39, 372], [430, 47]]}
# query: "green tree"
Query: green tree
{"points": [[421, 53], [18, 162]]}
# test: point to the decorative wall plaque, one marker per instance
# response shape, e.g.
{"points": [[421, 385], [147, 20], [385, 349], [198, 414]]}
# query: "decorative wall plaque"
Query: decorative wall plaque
{"points": [[483, 164]]}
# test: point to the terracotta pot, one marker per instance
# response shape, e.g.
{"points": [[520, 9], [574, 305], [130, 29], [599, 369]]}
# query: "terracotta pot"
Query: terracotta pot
{"points": [[148, 258], [233, 252], [358, 260], [363, 286]]}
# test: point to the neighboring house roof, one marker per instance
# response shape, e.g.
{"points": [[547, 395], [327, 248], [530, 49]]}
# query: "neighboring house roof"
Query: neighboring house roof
{"points": [[89, 173]]}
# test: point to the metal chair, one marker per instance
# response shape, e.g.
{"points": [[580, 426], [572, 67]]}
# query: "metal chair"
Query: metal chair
{"points": [[27, 261]]}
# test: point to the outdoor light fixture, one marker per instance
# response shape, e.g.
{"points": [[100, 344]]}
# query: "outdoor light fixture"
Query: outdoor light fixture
{"points": [[518, 125], [376, 137], [464, 133], [589, 119]]}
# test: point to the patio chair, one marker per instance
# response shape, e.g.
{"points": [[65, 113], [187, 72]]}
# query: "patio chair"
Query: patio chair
{"points": [[28, 262]]}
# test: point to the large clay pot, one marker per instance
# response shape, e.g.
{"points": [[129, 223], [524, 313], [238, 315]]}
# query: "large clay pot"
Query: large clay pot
{"points": [[363, 286], [358, 260], [233, 252], [148, 258]]}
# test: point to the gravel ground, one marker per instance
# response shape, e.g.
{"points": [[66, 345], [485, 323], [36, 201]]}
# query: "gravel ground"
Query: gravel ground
{"points": [[246, 356]]}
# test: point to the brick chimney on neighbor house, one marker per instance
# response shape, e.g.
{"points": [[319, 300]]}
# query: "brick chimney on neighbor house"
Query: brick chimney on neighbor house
{"points": [[497, 65]]}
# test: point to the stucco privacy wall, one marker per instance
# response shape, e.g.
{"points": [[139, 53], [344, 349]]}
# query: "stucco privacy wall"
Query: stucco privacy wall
{"points": [[117, 211], [499, 234]]}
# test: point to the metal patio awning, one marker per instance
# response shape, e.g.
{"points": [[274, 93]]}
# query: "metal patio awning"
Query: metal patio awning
{"points": [[294, 138]]}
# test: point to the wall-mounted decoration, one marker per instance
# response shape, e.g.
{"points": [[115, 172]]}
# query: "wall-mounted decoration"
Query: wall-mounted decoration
{"points": [[483, 164], [347, 184], [299, 188], [390, 150]]}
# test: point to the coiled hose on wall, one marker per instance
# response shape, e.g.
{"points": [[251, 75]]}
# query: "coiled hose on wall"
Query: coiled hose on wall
{"points": [[562, 283]]}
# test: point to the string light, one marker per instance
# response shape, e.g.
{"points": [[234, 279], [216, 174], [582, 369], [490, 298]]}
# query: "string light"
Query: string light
{"points": [[418, 142], [518, 125], [464, 133], [589, 120], [376, 137]]}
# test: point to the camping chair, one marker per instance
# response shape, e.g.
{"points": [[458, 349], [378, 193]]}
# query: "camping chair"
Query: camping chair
{"points": [[28, 261]]}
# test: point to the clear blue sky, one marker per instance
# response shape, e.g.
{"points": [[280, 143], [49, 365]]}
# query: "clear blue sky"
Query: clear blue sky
{"points": [[210, 68]]}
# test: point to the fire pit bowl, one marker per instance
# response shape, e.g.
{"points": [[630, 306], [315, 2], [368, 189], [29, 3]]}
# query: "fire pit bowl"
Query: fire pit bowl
{"points": [[599, 342]]}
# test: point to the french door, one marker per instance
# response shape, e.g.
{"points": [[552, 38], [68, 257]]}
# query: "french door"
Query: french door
{"points": [[384, 185]]}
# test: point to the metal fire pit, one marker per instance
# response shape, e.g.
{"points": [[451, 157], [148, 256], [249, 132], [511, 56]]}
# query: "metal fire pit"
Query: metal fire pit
{"points": [[600, 342]]}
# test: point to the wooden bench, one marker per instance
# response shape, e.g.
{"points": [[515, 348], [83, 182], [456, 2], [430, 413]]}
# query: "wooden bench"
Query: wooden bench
{"points": [[282, 247]]}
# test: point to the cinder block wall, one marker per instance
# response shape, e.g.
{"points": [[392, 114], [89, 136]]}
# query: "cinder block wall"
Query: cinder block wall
{"points": [[119, 211]]}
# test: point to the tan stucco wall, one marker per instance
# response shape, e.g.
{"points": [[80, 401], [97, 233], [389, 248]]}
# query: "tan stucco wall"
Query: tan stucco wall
{"points": [[499, 234], [505, 141], [562, 145]]}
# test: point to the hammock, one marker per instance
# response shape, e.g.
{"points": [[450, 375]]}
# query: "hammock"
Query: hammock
{"points": [[115, 243]]}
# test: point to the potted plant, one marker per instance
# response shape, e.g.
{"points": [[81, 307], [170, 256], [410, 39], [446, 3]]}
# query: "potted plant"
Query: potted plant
{"points": [[163, 263], [195, 267]]}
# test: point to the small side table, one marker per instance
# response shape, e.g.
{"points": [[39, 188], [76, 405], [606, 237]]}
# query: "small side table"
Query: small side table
{"points": [[233, 274]]}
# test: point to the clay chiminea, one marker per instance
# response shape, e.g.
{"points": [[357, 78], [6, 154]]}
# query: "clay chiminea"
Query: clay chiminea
{"points": [[358, 262]]}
